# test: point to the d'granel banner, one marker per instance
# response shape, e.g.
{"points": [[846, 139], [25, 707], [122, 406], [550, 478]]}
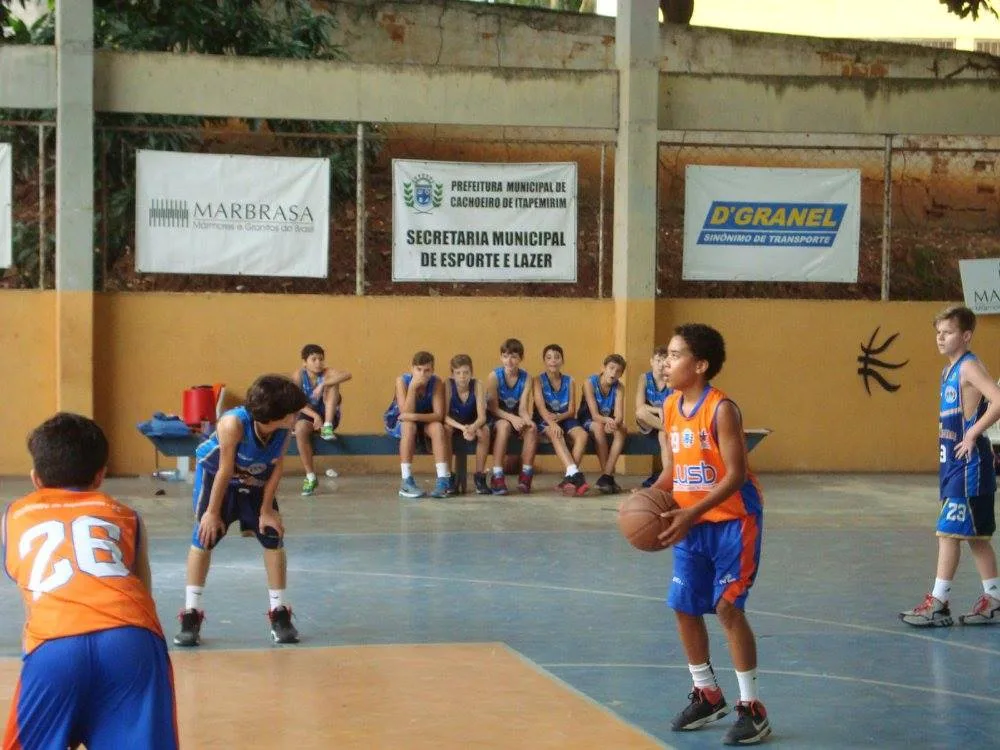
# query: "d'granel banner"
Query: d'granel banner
{"points": [[757, 224], [483, 222], [225, 214]]}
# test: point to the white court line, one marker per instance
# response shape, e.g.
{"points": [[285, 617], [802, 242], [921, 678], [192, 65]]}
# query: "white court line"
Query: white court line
{"points": [[783, 673], [620, 594]]}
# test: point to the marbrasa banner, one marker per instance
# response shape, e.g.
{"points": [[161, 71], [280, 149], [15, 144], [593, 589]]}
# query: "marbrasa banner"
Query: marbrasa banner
{"points": [[754, 224], [233, 215], [483, 222], [981, 285], [6, 215]]}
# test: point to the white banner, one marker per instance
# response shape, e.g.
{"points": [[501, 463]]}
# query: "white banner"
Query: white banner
{"points": [[752, 224], [981, 285], [232, 215], [483, 222], [6, 207]]}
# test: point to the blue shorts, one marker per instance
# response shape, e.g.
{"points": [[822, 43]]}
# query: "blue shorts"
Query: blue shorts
{"points": [[241, 503], [967, 517], [567, 425], [321, 410], [112, 688], [715, 561], [395, 429]]}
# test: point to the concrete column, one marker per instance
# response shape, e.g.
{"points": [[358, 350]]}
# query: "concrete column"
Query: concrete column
{"points": [[75, 206], [637, 54]]}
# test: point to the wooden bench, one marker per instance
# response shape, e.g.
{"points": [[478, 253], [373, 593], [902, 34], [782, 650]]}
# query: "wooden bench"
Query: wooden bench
{"points": [[636, 444]]}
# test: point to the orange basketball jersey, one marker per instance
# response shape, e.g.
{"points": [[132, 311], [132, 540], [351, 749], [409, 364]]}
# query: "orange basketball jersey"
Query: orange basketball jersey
{"points": [[698, 465], [72, 555]]}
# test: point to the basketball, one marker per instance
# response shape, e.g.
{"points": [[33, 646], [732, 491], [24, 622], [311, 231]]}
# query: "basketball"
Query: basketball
{"points": [[639, 518]]}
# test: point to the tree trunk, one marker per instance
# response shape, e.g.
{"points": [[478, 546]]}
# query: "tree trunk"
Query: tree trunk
{"points": [[677, 11]]}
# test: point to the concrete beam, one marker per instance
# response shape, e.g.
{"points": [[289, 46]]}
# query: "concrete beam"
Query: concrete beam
{"points": [[817, 105], [252, 87], [27, 77]]}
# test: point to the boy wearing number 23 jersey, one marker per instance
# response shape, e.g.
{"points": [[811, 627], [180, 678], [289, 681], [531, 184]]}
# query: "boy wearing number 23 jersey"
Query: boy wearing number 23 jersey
{"points": [[96, 669]]}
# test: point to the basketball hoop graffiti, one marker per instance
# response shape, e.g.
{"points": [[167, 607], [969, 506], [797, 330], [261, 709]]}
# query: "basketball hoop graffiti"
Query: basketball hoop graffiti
{"points": [[868, 363]]}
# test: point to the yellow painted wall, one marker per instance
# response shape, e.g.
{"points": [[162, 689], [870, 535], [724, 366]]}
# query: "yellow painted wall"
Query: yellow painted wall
{"points": [[792, 366], [150, 347], [27, 371]]}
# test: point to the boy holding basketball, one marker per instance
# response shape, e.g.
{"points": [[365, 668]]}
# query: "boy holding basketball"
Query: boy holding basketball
{"points": [[238, 470], [96, 669], [970, 403], [715, 531]]}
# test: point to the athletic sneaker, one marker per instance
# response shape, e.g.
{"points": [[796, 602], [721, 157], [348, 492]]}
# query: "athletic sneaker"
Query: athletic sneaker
{"points": [[565, 485], [498, 484], [309, 486], [441, 488], [751, 725], [604, 484], [524, 481], [452, 485], [930, 613], [699, 712], [408, 488], [327, 432], [986, 612], [613, 487], [577, 485], [282, 630], [482, 487], [650, 480], [190, 634]]}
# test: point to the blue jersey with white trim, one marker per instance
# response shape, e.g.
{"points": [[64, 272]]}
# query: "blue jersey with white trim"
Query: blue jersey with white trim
{"points": [[255, 459], [605, 401], [655, 396], [556, 401], [973, 475], [423, 405], [509, 396], [308, 388], [463, 412]]}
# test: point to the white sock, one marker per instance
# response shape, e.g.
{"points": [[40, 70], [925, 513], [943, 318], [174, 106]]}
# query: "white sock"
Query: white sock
{"points": [[192, 596], [572, 469], [748, 686], [276, 598], [992, 587], [526, 468], [941, 590], [328, 424], [406, 470], [703, 676], [442, 470], [498, 471], [310, 476]]}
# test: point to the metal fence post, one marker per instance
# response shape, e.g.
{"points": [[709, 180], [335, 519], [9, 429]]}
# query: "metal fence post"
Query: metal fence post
{"points": [[42, 237], [600, 229], [359, 258], [886, 216]]}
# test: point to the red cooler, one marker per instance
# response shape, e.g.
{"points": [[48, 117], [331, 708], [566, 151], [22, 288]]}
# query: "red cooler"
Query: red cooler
{"points": [[199, 406]]}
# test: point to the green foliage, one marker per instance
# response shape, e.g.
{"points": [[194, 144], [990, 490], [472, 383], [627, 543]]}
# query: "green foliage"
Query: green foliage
{"points": [[964, 8]]}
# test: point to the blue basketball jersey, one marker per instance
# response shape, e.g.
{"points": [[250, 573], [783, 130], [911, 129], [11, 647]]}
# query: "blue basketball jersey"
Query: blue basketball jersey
{"points": [[556, 401], [655, 396], [605, 401], [973, 475], [510, 396], [308, 387], [255, 460], [423, 405], [463, 412]]}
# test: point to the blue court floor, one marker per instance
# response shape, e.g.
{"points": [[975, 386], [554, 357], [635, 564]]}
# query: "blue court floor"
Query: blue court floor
{"points": [[552, 580]]}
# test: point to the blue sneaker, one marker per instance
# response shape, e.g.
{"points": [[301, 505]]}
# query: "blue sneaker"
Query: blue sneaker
{"points": [[408, 488], [442, 488], [650, 480]]}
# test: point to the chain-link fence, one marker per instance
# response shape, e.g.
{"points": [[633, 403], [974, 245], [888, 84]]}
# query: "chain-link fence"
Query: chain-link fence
{"points": [[942, 204], [32, 141]]}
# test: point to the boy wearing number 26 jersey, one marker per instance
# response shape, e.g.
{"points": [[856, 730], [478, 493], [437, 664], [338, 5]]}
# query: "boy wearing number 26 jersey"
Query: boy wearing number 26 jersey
{"points": [[96, 669]]}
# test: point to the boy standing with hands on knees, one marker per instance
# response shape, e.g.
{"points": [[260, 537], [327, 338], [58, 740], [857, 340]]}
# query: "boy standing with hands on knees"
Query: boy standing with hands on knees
{"points": [[715, 533]]}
